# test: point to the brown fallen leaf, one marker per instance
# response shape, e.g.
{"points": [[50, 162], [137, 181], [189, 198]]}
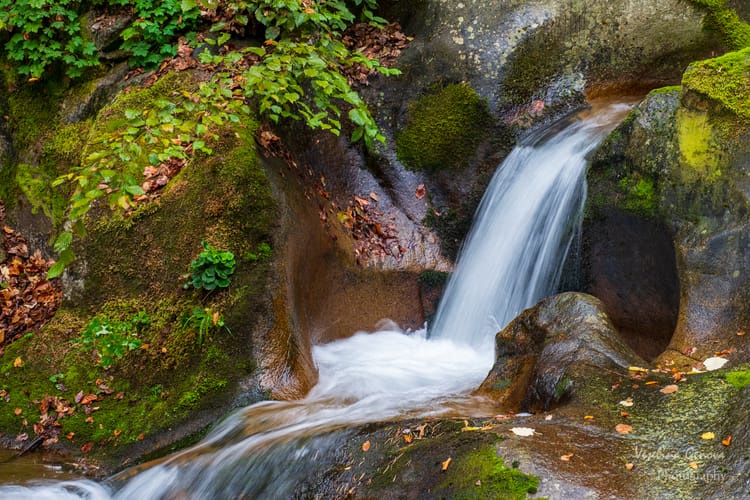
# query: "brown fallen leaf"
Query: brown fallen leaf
{"points": [[444, 466], [624, 428], [366, 446], [88, 399], [117, 432], [408, 438], [141, 437], [22, 437], [567, 457], [629, 466], [18, 411], [669, 389], [374, 197], [70, 435], [79, 397], [420, 192], [741, 333], [87, 447], [89, 420]]}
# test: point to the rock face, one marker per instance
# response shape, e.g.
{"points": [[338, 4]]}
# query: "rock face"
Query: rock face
{"points": [[680, 161], [550, 350], [531, 61]]}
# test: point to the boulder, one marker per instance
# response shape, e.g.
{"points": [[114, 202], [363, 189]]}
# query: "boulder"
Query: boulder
{"points": [[550, 351], [680, 163]]}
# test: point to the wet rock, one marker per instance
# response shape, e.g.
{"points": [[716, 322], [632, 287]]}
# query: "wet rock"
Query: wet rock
{"points": [[550, 350], [104, 29], [681, 161], [85, 103]]}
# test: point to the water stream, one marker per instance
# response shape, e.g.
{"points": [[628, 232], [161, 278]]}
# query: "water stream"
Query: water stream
{"points": [[512, 258]]}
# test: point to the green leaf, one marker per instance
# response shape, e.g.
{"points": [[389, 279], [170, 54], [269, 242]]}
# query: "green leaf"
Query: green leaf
{"points": [[63, 241]]}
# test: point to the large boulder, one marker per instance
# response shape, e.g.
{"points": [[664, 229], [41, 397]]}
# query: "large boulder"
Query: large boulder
{"points": [[680, 162], [551, 350]]}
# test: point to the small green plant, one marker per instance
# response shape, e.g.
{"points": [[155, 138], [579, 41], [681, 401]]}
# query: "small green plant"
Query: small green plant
{"points": [[262, 253], [205, 320], [112, 339], [211, 269]]}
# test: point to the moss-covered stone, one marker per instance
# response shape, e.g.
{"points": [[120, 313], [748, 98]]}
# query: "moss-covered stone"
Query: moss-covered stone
{"points": [[740, 379], [724, 79], [482, 474], [444, 129]]}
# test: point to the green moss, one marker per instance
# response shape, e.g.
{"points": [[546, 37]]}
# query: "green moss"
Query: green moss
{"points": [[444, 129], [725, 79], [482, 474], [697, 149], [665, 90], [640, 194], [739, 379], [726, 22]]}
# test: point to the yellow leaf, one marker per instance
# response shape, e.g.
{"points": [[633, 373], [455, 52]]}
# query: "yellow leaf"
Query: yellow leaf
{"points": [[637, 369], [629, 466], [445, 464], [652, 382], [588, 417], [708, 436], [693, 465], [18, 362], [566, 458]]}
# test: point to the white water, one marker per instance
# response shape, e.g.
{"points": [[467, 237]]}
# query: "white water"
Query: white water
{"points": [[511, 259]]}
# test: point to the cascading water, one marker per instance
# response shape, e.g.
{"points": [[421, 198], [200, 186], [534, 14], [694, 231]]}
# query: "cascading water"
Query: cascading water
{"points": [[525, 223], [511, 259]]}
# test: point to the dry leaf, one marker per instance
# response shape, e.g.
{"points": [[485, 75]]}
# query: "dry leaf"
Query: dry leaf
{"points": [[141, 437], [652, 382], [117, 432], [714, 363], [693, 465], [624, 428], [566, 458], [627, 402], [408, 438], [70, 435], [588, 417], [420, 192], [741, 333], [727, 440], [18, 411], [444, 466], [87, 447], [629, 466], [88, 399], [366, 446], [669, 389], [708, 436], [522, 431], [374, 197], [624, 414], [18, 362]]}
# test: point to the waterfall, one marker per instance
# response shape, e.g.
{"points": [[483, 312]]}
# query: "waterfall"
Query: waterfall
{"points": [[511, 259], [523, 228]]}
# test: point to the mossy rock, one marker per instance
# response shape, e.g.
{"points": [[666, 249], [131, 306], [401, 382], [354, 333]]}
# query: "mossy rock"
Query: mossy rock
{"points": [[181, 378], [444, 129], [725, 79]]}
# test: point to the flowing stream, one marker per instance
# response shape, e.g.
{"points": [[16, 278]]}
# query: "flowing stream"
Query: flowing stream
{"points": [[512, 258]]}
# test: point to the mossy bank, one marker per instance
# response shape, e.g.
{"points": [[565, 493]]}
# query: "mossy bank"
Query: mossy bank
{"points": [[184, 374]]}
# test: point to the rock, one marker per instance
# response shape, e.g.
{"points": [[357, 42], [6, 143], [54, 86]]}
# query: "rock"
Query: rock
{"points": [[83, 103], [104, 29], [680, 161], [550, 350]]}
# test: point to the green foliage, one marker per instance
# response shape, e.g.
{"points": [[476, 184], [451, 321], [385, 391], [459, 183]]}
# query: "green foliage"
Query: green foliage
{"points": [[443, 130], [150, 38], [206, 320], [46, 33], [211, 269], [112, 339]]}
